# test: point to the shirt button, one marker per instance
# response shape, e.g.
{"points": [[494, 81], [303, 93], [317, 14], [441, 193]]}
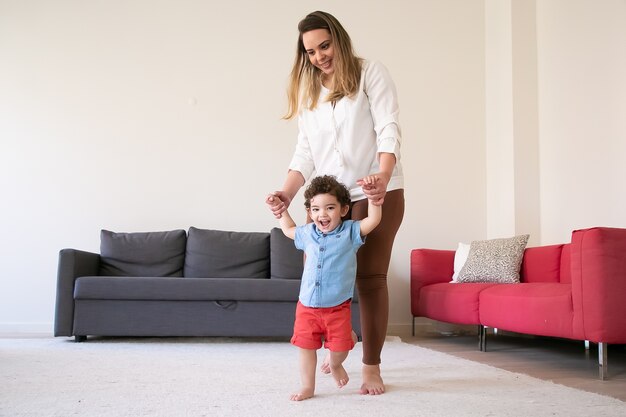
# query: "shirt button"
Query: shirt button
{"points": [[321, 249], [317, 284], [319, 266]]}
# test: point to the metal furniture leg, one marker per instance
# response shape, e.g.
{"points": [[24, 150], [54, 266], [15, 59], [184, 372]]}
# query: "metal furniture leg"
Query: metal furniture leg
{"points": [[603, 360], [482, 338]]}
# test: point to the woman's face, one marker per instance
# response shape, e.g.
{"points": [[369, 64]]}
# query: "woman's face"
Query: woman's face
{"points": [[319, 47]]}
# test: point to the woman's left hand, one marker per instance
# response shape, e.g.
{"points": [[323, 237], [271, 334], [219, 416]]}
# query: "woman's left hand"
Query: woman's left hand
{"points": [[374, 187]]}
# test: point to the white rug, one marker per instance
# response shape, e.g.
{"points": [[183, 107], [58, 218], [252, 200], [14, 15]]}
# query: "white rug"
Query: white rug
{"points": [[224, 377]]}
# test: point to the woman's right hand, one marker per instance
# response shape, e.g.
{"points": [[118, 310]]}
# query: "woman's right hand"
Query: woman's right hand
{"points": [[277, 202]]}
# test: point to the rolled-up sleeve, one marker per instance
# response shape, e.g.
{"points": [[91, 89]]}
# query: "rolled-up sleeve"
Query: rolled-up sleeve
{"points": [[383, 98], [302, 160]]}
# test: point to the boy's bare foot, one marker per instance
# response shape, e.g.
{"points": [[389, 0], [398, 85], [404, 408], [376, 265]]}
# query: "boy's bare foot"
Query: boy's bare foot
{"points": [[325, 366], [340, 375], [372, 381], [304, 394]]}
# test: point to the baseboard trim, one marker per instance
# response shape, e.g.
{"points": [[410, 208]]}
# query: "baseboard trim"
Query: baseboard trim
{"points": [[26, 329], [422, 326]]}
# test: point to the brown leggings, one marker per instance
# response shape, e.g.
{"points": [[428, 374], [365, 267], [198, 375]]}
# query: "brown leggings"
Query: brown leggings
{"points": [[371, 276]]}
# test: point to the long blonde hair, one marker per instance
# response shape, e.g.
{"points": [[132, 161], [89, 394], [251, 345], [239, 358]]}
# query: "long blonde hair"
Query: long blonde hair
{"points": [[305, 80]]}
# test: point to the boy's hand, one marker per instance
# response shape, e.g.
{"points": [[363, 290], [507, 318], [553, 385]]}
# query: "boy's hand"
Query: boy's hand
{"points": [[277, 202], [374, 187]]}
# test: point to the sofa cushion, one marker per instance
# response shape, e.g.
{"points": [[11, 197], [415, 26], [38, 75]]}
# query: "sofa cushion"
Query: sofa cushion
{"points": [[222, 254], [541, 264], [544, 309], [566, 264], [155, 254], [188, 289], [494, 260], [460, 301], [286, 262]]}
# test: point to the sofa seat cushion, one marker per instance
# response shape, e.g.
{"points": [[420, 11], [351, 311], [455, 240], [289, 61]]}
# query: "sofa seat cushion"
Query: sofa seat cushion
{"points": [[181, 289], [544, 309], [451, 302]]}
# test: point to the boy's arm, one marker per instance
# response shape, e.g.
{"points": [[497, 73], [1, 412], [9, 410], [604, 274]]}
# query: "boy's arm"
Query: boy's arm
{"points": [[287, 225], [374, 214]]}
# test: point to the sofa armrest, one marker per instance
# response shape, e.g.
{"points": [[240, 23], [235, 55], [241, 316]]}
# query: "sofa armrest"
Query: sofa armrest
{"points": [[430, 266], [598, 262], [72, 264]]}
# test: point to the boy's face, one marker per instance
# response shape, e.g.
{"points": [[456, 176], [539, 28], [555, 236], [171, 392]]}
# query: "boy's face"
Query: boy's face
{"points": [[326, 212]]}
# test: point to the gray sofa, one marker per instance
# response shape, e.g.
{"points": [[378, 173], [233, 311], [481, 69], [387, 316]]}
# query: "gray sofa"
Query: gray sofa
{"points": [[173, 283]]}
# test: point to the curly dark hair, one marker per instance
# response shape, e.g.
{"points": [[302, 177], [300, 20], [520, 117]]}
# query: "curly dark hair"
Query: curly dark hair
{"points": [[326, 184]]}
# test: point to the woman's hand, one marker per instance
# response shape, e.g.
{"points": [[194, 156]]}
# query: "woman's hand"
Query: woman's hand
{"points": [[277, 202], [375, 187]]}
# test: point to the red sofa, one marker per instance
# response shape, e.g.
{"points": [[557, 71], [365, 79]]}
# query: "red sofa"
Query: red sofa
{"points": [[575, 290]]}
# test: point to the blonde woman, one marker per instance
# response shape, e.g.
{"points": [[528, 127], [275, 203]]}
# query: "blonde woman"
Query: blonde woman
{"points": [[347, 112]]}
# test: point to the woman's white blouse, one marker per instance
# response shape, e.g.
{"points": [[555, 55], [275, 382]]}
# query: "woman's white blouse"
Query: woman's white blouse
{"points": [[345, 141]]}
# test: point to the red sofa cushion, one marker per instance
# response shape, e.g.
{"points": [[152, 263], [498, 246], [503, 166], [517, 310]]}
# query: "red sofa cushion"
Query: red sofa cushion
{"points": [[541, 264], [566, 264], [535, 308], [452, 303]]}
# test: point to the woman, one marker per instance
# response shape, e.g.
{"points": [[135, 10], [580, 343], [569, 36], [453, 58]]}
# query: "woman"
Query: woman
{"points": [[347, 113]]}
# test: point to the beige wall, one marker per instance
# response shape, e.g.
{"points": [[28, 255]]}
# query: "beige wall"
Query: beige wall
{"points": [[141, 115], [582, 113]]}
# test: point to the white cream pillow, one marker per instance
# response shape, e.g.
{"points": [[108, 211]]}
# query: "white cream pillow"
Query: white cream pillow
{"points": [[494, 260], [462, 251]]}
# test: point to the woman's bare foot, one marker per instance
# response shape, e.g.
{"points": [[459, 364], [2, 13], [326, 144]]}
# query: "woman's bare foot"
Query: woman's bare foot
{"points": [[340, 375], [304, 394], [372, 381], [325, 366]]}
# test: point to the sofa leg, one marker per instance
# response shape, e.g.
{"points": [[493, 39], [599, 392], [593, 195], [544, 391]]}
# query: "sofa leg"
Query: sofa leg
{"points": [[603, 360], [79, 339], [413, 327], [482, 338]]}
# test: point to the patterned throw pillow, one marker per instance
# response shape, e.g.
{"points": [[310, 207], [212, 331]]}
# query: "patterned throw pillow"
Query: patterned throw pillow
{"points": [[494, 260]]}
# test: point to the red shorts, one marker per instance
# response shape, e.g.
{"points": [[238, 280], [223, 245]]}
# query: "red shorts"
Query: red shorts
{"points": [[334, 324]]}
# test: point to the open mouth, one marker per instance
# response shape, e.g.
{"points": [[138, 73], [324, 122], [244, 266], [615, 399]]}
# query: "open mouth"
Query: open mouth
{"points": [[324, 224]]}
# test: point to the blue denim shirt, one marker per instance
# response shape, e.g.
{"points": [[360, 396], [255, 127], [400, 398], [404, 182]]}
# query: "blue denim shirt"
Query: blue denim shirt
{"points": [[330, 267]]}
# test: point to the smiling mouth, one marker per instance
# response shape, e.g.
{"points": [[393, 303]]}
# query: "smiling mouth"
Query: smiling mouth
{"points": [[326, 65], [324, 223]]}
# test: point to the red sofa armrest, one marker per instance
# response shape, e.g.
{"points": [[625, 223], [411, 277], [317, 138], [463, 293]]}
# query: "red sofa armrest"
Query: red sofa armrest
{"points": [[430, 266], [598, 261]]}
